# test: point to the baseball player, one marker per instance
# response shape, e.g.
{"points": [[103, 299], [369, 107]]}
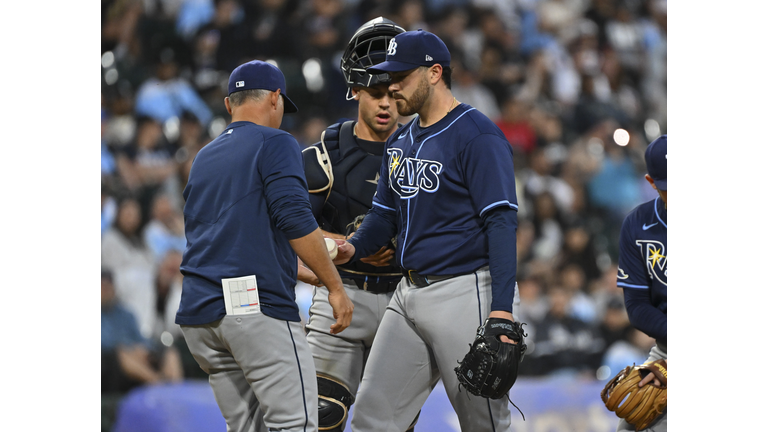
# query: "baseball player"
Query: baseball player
{"points": [[643, 266], [246, 218], [342, 172], [447, 192]]}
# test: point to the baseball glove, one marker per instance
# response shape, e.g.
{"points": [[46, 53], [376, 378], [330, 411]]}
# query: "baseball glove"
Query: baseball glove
{"points": [[490, 367], [638, 406]]}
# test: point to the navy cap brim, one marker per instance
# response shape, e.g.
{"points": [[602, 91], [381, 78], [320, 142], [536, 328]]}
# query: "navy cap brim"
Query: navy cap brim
{"points": [[289, 106], [391, 66]]}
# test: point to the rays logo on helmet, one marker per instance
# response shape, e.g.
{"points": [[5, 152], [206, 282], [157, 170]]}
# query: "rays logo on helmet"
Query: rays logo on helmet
{"points": [[408, 176], [392, 48], [655, 259]]}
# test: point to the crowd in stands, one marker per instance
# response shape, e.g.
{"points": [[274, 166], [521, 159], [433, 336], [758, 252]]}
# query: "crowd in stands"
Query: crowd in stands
{"points": [[577, 86]]}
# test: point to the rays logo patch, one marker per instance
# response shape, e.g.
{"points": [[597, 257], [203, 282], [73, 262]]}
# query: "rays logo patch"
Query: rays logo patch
{"points": [[408, 176], [655, 259]]}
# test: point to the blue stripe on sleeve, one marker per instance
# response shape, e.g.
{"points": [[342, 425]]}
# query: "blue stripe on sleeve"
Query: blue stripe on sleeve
{"points": [[626, 285], [497, 204]]}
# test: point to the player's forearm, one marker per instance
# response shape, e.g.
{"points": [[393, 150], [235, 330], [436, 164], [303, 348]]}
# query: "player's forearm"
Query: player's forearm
{"points": [[377, 229], [501, 229], [643, 315], [333, 235], [312, 252]]}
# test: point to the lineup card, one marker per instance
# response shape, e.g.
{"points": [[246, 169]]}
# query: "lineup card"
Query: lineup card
{"points": [[241, 296]]}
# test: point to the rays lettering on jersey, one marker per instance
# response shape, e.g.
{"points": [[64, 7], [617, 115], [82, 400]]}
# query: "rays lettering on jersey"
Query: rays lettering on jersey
{"points": [[407, 176], [655, 259]]}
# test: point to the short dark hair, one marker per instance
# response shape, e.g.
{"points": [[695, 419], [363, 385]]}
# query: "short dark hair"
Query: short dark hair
{"points": [[239, 98], [447, 72]]}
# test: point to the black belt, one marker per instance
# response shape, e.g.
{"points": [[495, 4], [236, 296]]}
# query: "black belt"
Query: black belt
{"points": [[423, 280], [374, 287]]}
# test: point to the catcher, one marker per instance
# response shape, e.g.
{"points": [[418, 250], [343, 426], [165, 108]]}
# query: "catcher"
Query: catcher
{"points": [[643, 276]]}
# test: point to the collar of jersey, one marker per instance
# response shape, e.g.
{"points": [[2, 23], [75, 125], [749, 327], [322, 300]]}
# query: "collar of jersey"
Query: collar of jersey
{"points": [[451, 117], [448, 118]]}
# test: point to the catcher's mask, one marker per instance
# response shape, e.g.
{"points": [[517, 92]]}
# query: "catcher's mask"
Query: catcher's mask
{"points": [[368, 47]]}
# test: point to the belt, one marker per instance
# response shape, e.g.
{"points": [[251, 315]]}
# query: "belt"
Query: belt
{"points": [[423, 280], [374, 287]]}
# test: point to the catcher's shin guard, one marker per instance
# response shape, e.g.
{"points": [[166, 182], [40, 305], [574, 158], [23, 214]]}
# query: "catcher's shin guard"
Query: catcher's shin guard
{"points": [[334, 400]]}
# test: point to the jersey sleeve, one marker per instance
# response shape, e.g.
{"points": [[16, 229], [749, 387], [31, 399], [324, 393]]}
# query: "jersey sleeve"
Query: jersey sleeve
{"points": [[489, 173], [282, 172], [632, 271]]}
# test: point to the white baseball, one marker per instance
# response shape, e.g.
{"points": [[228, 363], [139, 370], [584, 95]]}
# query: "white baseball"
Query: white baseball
{"points": [[333, 248]]}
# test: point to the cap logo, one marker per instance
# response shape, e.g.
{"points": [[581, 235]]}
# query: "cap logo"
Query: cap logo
{"points": [[240, 84], [392, 48], [428, 58]]}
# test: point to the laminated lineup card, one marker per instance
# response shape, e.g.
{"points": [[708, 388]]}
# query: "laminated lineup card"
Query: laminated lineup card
{"points": [[241, 295]]}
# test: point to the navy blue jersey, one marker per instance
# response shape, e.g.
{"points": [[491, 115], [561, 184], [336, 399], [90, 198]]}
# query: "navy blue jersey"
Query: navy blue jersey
{"points": [[245, 198], [643, 255], [440, 181]]}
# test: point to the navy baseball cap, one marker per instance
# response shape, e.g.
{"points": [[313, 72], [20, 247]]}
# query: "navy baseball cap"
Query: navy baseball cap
{"points": [[656, 161], [412, 49], [257, 74]]}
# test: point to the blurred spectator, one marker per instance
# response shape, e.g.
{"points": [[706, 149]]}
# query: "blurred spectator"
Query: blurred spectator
{"points": [[500, 73], [515, 125], [633, 350], [452, 28], [595, 105], [118, 24], [615, 325], [273, 32], [533, 303], [311, 130], [174, 185], [579, 250], [108, 164], [193, 14], [466, 88], [191, 137], [548, 224], [324, 23], [108, 209], [166, 95], [604, 290], [409, 14], [125, 255], [168, 285], [539, 179], [147, 162], [165, 231], [565, 345], [614, 186], [128, 359], [231, 34], [582, 306]]}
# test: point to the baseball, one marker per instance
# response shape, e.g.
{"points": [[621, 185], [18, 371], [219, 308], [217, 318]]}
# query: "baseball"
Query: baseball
{"points": [[332, 247]]}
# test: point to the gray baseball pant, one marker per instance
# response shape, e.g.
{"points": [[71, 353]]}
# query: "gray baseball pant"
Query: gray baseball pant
{"points": [[423, 336], [257, 366]]}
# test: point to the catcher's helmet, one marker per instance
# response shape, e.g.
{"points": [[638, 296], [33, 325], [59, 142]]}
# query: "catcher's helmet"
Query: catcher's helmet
{"points": [[368, 47]]}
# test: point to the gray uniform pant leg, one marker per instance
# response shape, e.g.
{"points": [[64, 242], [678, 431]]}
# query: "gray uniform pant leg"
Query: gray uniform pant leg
{"points": [[658, 352], [424, 335], [343, 355], [257, 366]]}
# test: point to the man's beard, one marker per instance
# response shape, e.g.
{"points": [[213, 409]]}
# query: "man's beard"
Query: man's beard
{"points": [[413, 105]]}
